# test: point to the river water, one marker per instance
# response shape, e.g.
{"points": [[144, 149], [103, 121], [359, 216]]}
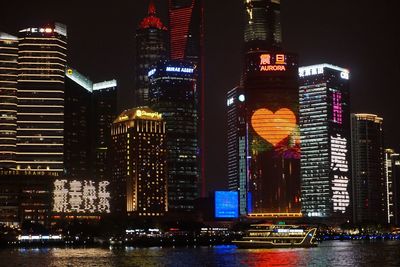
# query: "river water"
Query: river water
{"points": [[329, 253]]}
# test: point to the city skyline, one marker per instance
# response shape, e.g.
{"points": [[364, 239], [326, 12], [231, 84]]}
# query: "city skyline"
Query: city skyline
{"points": [[224, 63]]}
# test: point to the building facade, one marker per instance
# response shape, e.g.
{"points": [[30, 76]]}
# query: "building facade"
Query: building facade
{"points": [[104, 113], [273, 137], [369, 198], [392, 168], [26, 197], [237, 144], [186, 25], [139, 176], [78, 125], [172, 93], [262, 24], [8, 100], [325, 141], [151, 47], [42, 57]]}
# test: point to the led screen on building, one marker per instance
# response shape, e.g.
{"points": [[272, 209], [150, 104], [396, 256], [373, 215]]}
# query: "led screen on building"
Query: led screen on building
{"points": [[226, 204], [81, 196], [271, 88]]}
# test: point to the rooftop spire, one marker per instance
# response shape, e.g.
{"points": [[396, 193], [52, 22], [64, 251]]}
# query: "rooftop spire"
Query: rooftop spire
{"points": [[152, 8]]}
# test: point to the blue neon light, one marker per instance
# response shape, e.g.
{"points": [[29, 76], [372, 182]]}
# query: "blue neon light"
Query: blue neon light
{"points": [[179, 69]]}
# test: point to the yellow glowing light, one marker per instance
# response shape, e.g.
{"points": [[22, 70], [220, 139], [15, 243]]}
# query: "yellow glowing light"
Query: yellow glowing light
{"points": [[273, 127], [280, 59]]}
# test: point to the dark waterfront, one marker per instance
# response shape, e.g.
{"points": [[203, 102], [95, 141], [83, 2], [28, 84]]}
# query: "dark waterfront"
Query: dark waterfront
{"points": [[331, 253]]}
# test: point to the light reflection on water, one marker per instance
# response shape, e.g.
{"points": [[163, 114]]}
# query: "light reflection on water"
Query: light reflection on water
{"points": [[332, 253]]}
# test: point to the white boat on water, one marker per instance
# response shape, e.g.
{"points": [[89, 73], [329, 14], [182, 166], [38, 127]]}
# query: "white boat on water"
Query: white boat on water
{"points": [[278, 236]]}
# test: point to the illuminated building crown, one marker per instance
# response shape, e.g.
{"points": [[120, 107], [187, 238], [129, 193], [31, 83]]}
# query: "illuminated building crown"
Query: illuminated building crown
{"points": [[151, 21]]}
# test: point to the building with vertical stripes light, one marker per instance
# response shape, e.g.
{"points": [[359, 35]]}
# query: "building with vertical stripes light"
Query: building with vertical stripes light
{"points": [[139, 177], [8, 100], [42, 57], [325, 141], [237, 144]]}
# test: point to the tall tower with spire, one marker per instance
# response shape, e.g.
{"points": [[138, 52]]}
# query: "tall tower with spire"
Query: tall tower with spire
{"points": [[151, 46], [262, 25]]}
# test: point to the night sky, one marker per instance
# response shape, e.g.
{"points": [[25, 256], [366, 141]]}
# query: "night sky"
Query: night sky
{"points": [[360, 35]]}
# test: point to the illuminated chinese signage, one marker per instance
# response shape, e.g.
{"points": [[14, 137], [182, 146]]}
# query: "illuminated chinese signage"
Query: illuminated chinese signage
{"points": [[179, 69], [319, 69], [340, 168], [81, 196], [275, 62], [226, 204], [337, 107]]}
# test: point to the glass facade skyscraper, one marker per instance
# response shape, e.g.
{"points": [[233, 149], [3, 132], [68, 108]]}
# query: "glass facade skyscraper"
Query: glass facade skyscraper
{"points": [[237, 144], [42, 57], [104, 113], [78, 125], [8, 100], [368, 178], [173, 94], [151, 47], [325, 141], [186, 25], [262, 24]]}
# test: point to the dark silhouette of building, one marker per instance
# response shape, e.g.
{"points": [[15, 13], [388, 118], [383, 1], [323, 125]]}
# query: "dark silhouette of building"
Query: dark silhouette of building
{"points": [[139, 176], [369, 198], [78, 119], [104, 113], [172, 93], [151, 47], [8, 100], [325, 141]]}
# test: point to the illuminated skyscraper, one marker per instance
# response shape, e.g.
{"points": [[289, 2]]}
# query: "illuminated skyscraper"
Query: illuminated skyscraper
{"points": [[392, 175], [78, 119], [172, 93], [186, 25], [42, 57], [151, 46], [138, 152], [273, 137], [395, 190], [237, 143], [8, 100], [369, 198], [104, 113], [262, 24], [269, 131], [325, 141]]}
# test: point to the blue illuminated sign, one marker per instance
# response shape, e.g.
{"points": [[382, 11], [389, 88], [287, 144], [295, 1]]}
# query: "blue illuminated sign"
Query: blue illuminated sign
{"points": [[151, 72], [226, 204], [179, 69]]}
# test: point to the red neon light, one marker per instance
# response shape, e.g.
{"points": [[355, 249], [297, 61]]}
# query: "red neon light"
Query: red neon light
{"points": [[151, 21], [179, 26]]}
